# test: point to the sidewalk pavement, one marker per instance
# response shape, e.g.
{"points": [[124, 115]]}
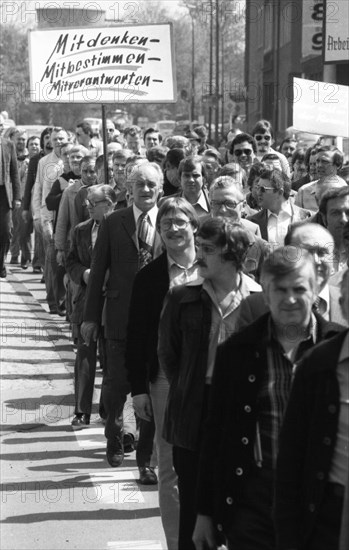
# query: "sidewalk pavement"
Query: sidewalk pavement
{"points": [[53, 478]]}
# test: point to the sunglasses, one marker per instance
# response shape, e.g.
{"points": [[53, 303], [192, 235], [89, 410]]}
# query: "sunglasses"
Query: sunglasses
{"points": [[263, 189], [91, 204], [260, 137], [239, 152]]}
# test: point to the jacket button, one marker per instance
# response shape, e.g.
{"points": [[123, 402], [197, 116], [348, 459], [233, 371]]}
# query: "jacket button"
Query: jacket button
{"points": [[229, 501], [252, 378], [244, 440], [247, 408], [219, 527], [311, 507], [320, 476], [332, 409], [326, 441], [239, 471]]}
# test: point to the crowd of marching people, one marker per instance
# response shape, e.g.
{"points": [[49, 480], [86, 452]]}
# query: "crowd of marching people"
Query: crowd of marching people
{"points": [[212, 285]]}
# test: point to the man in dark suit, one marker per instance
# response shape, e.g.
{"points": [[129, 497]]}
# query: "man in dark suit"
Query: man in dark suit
{"points": [[10, 193], [312, 470], [100, 202], [317, 240], [177, 223], [278, 212], [127, 240], [250, 389]]}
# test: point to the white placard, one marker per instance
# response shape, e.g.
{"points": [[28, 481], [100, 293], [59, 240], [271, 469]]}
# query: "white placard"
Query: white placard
{"points": [[119, 64], [336, 38], [320, 107]]}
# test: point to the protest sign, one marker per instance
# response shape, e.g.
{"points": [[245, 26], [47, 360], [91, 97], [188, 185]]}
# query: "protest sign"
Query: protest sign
{"points": [[118, 64]]}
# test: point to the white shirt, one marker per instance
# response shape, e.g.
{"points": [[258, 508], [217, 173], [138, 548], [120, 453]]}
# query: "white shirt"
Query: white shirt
{"points": [[278, 224]]}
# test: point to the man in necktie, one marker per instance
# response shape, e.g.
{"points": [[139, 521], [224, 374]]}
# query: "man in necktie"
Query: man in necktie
{"points": [[119, 252], [100, 202]]}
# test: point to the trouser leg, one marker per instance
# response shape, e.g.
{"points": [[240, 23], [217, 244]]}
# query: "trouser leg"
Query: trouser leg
{"points": [[85, 370]]}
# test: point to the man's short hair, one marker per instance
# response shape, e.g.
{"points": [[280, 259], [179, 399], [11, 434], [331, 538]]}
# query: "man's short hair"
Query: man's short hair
{"points": [[152, 131], [287, 140], [108, 192], [278, 180], [132, 131], [338, 157], [234, 169], [298, 155], [138, 166], [212, 153], [86, 128], [177, 203], [188, 164], [261, 127], [31, 138], [240, 138], [174, 156], [225, 182], [201, 131], [232, 237], [88, 158], [285, 260], [335, 193], [178, 142], [122, 154], [157, 154], [78, 149], [255, 171], [58, 129]]}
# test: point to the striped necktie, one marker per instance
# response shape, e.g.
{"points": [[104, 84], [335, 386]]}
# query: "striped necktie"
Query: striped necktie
{"points": [[145, 240]]}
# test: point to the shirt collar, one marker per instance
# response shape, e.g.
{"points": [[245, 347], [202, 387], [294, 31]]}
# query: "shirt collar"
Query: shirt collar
{"points": [[202, 202], [310, 333], [325, 295], [286, 208], [152, 213], [171, 262]]}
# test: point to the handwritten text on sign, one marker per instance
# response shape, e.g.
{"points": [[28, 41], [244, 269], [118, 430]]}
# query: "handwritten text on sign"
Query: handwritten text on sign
{"points": [[112, 64]]}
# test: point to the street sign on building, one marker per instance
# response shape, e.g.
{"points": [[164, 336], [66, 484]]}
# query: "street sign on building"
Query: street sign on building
{"points": [[119, 64], [320, 107], [312, 22], [336, 32]]}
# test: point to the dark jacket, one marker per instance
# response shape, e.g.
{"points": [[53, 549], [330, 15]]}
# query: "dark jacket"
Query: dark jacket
{"points": [[31, 175], [9, 175], [183, 352], [307, 443], [115, 250], [240, 367], [77, 261], [149, 290], [261, 218]]}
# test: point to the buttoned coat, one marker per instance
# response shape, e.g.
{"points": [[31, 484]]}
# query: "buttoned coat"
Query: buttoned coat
{"points": [[9, 173], [307, 443], [241, 365], [77, 261], [116, 251], [261, 218]]}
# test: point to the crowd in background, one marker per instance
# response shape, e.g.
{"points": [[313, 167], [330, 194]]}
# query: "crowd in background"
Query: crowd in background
{"points": [[179, 250]]}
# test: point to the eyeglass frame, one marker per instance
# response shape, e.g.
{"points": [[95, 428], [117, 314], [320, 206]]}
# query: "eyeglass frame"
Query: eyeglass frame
{"points": [[173, 223], [259, 137], [225, 203], [264, 188], [93, 205], [239, 152]]}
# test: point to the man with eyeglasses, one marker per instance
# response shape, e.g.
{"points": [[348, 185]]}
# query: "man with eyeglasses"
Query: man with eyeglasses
{"points": [[263, 135], [227, 199], [319, 242], [243, 150], [196, 318], [100, 203], [127, 241], [278, 212]]}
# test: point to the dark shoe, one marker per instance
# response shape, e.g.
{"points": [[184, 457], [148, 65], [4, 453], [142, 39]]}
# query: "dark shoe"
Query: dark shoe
{"points": [[24, 265], [42, 280], [3, 273], [115, 456], [147, 476], [14, 260], [53, 310], [61, 310], [80, 421], [129, 443], [37, 270]]}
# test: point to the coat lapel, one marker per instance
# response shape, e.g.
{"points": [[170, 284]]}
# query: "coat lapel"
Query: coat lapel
{"points": [[128, 222]]}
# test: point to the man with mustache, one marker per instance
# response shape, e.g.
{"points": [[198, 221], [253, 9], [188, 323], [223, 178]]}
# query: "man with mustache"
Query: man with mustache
{"points": [[195, 319]]}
